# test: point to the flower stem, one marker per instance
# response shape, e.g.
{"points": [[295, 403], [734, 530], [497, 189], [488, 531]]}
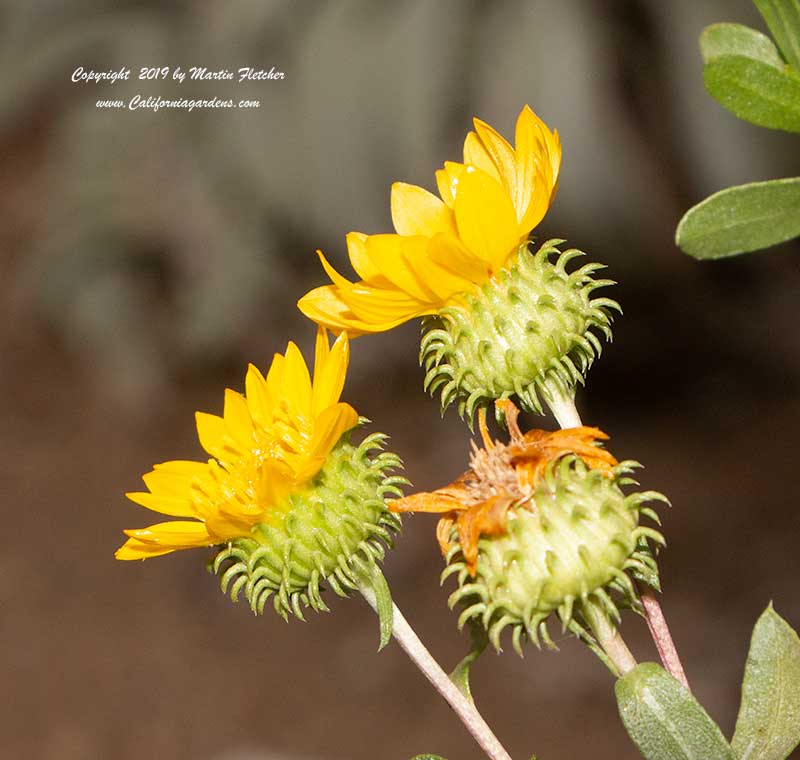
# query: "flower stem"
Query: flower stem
{"points": [[422, 658], [609, 638], [562, 405], [662, 637]]}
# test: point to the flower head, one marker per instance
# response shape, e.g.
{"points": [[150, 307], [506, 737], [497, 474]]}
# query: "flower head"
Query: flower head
{"points": [[268, 443], [500, 321], [540, 525], [297, 507], [445, 246]]}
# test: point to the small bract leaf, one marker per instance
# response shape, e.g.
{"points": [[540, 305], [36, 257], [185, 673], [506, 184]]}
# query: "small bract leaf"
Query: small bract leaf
{"points": [[741, 219], [755, 91], [664, 720], [783, 20], [768, 726], [478, 643], [737, 39]]}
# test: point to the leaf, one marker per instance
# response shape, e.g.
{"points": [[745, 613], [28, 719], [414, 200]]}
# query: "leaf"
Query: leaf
{"points": [[375, 590], [741, 219], [427, 757], [736, 39], [755, 91], [460, 674], [783, 20], [664, 720], [768, 726]]}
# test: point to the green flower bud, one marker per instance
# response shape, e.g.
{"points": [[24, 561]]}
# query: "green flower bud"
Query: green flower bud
{"points": [[577, 540], [331, 534], [530, 331]]}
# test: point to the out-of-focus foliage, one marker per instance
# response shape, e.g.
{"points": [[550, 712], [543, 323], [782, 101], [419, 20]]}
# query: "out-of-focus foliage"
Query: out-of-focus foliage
{"points": [[759, 83]]}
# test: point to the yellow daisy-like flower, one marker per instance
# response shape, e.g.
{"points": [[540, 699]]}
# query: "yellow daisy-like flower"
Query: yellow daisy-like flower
{"points": [[445, 246], [268, 444]]}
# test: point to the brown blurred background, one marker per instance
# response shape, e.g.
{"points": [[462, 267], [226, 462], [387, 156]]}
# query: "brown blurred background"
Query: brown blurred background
{"points": [[147, 257]]}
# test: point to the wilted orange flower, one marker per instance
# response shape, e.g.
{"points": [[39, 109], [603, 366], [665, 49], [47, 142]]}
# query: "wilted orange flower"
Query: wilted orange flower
{"points": [[445, 246], [501, 476]]}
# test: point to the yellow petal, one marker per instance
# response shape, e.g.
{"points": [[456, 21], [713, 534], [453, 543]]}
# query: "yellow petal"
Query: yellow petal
{"points": [[477, 155], [163, 538], [499, 151], [211, 433], [415, 211], [259, 402], [330, 368], [450, 253], [487, 223], [443, 282], [447, 181], [325, 307], [387, 253], [297, 382], [357, 251], [329, 427], [238, 422]]}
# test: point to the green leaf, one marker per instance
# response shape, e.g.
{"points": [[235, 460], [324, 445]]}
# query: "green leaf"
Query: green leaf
{"points": [[768, 726], [664, 720], [460, 674], [375, 590], [755, 91], [783, 20], [736, 39], [741, 219], [427, 757]]}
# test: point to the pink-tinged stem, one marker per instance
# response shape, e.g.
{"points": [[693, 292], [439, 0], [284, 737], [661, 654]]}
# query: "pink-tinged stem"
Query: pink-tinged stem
{"points": [[465, 709], [659, 630]]}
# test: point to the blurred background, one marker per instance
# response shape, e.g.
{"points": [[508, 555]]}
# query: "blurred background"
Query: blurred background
{"points": [[147, 257]]}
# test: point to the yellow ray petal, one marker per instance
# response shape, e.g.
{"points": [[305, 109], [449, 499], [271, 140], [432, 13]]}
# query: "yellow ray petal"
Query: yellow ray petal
{"points": [[387, 252], [487, 223], [357, 252], [297, 382], [423, 257], [329, 428], [163, 538], [451, 254], [499, 151], [415, 211], [447, 181], [259, 402], [211, 433], [238, 422], [330, 368], [477, 155]]}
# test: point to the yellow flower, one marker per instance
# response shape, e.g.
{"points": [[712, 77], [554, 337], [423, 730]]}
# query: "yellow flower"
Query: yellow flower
{"points": [[445, 247], [268, 444]]}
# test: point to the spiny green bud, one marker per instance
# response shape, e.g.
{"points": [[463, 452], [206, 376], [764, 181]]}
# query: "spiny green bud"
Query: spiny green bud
{"points": [[577, 540], [530, 331], [331, 534]]}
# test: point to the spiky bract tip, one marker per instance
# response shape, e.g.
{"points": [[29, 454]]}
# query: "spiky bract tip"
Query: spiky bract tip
{"points": [[577, 540], [331, 536], [530, 331]]}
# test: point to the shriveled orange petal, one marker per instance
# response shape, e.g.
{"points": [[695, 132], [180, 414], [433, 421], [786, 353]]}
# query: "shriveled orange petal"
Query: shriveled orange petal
{"points": [[434, 502]]}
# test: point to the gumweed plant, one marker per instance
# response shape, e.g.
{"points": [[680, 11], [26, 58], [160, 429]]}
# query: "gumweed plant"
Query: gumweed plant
{"points": [[544, 528]]}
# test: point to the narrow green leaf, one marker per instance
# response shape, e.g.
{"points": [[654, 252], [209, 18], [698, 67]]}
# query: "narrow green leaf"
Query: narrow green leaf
{"points": [[460, 674], [755, 91], [783, 20], [375, 590], [768, 726], [737, 39], [664, 720], [741, 219], [427, 757]]}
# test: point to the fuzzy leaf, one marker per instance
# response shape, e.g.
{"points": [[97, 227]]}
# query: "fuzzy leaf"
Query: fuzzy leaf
{"points": [[741, 219], [664, 720], [375, 590], [768, 726], [783, 20], [755, 91], [736, 39]]}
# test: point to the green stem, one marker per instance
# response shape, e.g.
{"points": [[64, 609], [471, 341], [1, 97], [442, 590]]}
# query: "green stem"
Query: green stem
{"points": [[562, 404], [609, 638], [465, 709]]}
